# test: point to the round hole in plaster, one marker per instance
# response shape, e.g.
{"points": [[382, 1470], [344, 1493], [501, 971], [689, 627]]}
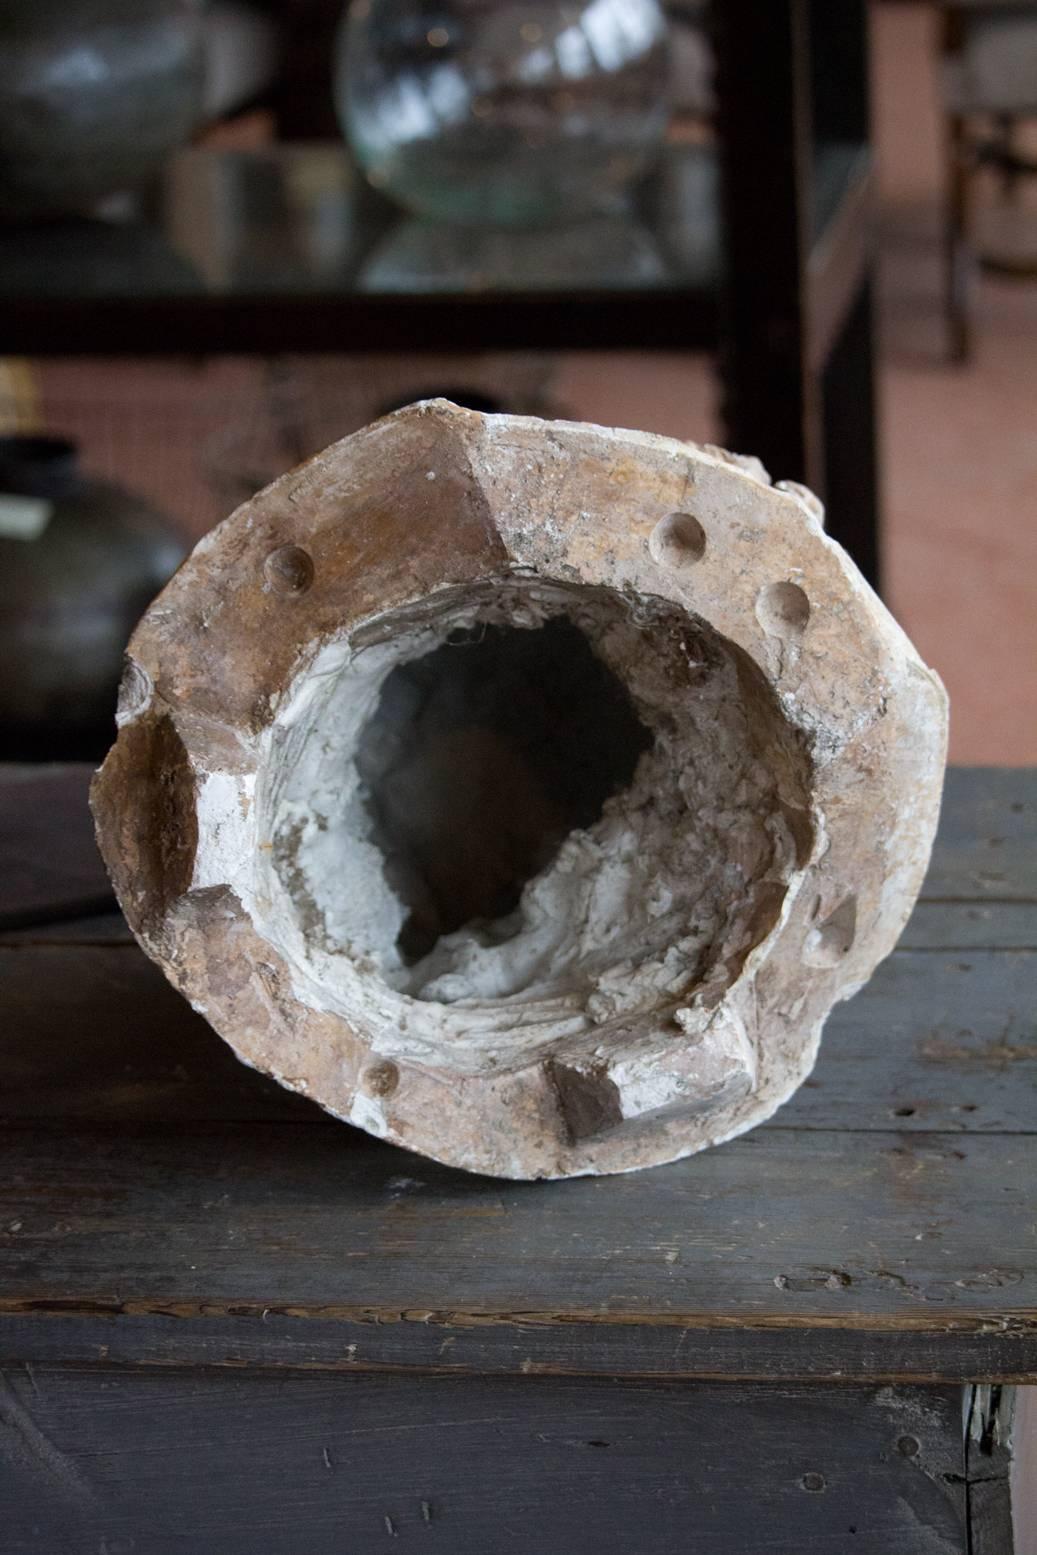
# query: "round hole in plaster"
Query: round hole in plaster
{"points": [[289, 570], [380, 1079], [135, 692], [830, 941], [677, 541], [520, 809], [783, 609]]}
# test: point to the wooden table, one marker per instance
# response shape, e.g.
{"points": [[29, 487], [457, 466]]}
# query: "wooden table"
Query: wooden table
{"points": [[230, 1325]]}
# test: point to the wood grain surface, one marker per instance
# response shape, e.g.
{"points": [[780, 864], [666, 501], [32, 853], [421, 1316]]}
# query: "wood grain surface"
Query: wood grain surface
{"points": [[152, 1463], [156, 1193]]}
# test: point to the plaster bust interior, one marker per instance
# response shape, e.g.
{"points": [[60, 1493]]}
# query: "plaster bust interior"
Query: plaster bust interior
{"points": [[538, 788]]}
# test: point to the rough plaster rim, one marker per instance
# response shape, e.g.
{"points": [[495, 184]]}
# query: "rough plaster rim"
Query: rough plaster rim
{"points": [[626, 561]]}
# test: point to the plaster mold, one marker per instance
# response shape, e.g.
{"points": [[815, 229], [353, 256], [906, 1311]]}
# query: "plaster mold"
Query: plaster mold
{"points": [[525, 793]]}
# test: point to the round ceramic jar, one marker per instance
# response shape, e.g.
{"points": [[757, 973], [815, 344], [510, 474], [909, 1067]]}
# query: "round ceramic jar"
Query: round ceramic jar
{"points": [[93, 98]]}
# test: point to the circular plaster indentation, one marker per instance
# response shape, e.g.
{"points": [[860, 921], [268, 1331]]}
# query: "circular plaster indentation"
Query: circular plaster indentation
{"points": [[380, 1079], [830, 941], [289, 570], [678, 540], [783, 610], [135, 691]]}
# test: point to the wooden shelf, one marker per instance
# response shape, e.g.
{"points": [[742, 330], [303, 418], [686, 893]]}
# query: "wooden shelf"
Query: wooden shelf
{"points": [[841, 248], [285, 250]]}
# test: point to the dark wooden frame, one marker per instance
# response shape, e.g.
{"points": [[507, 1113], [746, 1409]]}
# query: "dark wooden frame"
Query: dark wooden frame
{"points": [[797, 338]]}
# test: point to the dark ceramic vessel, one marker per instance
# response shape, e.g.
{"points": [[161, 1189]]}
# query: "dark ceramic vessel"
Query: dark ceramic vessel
{"points": [[93, 97], [89, 559]]}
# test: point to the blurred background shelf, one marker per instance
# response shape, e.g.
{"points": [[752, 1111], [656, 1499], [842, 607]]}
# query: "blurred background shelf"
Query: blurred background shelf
{"points": [[286, 249], [751, 240], [283, 248]]}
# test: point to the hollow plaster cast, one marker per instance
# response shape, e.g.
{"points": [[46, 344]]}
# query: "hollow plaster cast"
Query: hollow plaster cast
{"points": [[290, 748]]}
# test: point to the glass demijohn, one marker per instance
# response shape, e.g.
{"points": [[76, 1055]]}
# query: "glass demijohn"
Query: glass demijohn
{"points": [[503, 112]]}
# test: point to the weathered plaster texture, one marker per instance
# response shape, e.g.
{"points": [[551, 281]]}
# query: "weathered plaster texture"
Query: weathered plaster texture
{"points": [[355, 852]]}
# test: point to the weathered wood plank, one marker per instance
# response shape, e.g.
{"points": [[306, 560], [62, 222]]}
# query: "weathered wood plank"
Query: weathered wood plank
{"points": [[850, 1237], [937, 1040], [449, 1343], [104, 928], [1023, 1473], [51, 866], [95, 1031], [986, 849], [988, 1462], [971, 926], [987, 844], [925, 1045], [178, 1463], [795, 1252]]}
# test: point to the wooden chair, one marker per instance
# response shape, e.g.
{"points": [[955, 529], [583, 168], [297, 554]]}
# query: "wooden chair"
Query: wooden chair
{"points": [[988, 84]]}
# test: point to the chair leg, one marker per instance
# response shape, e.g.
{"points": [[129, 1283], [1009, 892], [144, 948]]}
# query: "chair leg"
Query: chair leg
{"points": [[957, 258], [1009, 165]]}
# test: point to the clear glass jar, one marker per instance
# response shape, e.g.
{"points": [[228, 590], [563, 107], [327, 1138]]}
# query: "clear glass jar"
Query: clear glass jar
{"points": [[503, 112]]}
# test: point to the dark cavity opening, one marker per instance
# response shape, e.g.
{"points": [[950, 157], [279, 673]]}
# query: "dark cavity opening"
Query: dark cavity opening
{"points": [[479, 761]]}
